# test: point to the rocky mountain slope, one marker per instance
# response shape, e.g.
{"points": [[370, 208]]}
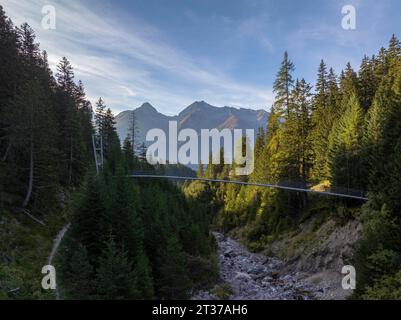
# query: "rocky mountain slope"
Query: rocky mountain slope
{"points": [[197, 116]]}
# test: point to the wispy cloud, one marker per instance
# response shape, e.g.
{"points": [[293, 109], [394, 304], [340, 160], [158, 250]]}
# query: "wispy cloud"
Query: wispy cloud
{"points": [[128, 91], [171, 54], [124, 66]]}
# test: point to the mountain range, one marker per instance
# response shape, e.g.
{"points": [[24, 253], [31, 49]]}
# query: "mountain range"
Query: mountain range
{"points": [[199, 115]]}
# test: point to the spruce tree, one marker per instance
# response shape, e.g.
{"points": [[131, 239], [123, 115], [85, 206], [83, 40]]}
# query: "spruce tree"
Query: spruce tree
{"points": [[349, 84], [283, 86], [393, 52], [85, 113], [142, 153], [383, 131], [126, 222], [100, 114], [257, 175], [174, 282], [115, 279], [380, 65], [323, 116], [105, 123], [295, 158], [367, 83], [143, 276], [29, 49], [109, 133], [344, 147], [128, 154], [321, 96], [72, 139], [65, 76], [91, 220], [78, 276]]}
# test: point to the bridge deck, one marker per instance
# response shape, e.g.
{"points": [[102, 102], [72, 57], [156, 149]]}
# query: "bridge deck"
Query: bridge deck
{"points": [[266, 185]]}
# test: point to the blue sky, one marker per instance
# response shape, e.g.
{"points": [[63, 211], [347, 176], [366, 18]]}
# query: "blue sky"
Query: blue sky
{"points": [[226, 52]]}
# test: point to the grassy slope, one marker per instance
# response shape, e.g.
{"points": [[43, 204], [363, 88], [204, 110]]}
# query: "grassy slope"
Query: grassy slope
{"points": [[24, 249]]}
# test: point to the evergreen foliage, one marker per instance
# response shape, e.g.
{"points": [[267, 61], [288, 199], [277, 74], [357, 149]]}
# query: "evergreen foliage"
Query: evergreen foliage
{"points": [[344, 137], [128, 239]]}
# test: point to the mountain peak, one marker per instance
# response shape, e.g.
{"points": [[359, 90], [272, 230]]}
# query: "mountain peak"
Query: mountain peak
{"points": [[147, 107], [200, 103], [196, 106]]}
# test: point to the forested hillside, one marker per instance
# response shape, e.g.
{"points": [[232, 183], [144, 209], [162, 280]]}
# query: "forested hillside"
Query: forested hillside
{"points": [[134, 240], [128, 239], [45, 149], [343, 135]]}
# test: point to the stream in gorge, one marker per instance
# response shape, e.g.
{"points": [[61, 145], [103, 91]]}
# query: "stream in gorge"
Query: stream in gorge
{"points": [[253, 276]]}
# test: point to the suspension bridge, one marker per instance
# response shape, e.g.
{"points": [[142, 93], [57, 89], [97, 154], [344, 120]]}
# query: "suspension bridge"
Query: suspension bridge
{"points": [[348, 194], [255, 184]]}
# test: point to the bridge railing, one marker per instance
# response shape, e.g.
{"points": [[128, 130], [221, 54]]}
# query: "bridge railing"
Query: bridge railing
{"points": [[296, 186]]}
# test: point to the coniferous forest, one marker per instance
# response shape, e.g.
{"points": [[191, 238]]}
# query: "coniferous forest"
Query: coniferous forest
{"points": [[127, 240], [149, 239], [343, 135]]}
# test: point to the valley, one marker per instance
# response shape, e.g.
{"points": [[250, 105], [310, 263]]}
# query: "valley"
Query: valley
{"points": [[251, 276], [253, 237]]}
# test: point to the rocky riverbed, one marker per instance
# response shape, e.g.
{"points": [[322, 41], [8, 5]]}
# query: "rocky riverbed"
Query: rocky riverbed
{"points": [[250, 276]]}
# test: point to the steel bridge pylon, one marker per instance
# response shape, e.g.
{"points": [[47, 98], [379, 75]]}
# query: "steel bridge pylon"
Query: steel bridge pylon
{"points": [[97, 142]]}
